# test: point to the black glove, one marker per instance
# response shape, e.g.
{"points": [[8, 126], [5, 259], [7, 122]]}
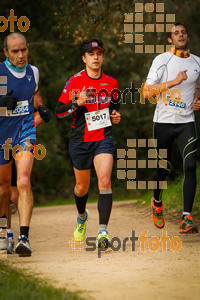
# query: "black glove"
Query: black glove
{"points": [[8, 101], [44, 113]]}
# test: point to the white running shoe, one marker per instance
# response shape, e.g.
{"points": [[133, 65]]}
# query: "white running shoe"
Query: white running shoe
{"points": [[3, 238], [23, 247], [10, 248]]}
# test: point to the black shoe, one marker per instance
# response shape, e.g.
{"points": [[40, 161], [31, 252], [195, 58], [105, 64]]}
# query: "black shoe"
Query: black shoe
{"points": [[23, 247]]}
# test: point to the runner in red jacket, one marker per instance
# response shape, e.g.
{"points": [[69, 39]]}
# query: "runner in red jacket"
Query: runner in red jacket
{"points": [[92, 98]]}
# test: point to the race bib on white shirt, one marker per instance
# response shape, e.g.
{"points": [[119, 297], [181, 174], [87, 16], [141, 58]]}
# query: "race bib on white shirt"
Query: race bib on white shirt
{"points": [[98, 119], [22, 108], [178, 107]]}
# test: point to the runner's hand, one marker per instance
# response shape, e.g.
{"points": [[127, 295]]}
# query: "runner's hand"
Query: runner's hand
{"points": [[82, 97], [181, 77], [115, 117], [44, 113], [8, 101], [196, 104]]}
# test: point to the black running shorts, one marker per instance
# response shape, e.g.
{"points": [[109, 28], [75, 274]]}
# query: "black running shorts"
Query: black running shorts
{"points": [[83, 153]]}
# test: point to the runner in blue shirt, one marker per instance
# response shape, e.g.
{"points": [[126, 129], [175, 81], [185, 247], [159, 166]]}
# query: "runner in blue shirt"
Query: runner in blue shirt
{"points": [[17, 134]]}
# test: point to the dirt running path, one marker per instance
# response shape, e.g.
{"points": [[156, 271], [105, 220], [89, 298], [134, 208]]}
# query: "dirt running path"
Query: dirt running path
{"points": [[116, 275]]}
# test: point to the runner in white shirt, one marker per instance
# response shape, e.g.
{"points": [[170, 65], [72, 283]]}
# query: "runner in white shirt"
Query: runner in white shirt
{"points": [[175, 76]]}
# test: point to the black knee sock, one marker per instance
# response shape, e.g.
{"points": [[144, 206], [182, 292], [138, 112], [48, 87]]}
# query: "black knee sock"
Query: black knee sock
{"points": [[104, 206], [80, 202], [4, 217], [24, 230]]}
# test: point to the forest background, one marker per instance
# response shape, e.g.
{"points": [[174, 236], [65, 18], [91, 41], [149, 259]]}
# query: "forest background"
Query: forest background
{"points": [[56, 30]]}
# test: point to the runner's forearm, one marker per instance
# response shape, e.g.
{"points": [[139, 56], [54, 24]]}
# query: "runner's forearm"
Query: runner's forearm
{"points": [[64, 110]]}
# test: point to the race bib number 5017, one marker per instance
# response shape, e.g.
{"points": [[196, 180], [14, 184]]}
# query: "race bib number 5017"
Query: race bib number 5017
{"points": [[98, 119]]}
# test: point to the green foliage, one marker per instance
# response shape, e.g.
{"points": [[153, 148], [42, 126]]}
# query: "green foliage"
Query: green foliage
{"points": [[56, 30], [173, 197], [14, 284]]}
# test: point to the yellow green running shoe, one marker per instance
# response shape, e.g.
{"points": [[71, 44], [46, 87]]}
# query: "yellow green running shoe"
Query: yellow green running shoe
{"points": [[103, 240], [80, 229]]}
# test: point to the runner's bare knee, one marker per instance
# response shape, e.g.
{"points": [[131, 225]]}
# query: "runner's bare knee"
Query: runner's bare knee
{"points": [[81, 189], [23, 182], [104, 183]]}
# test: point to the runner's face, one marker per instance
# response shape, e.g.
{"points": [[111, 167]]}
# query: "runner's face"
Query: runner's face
{"points": [[17, 52], [93, 59], [179, 37]]}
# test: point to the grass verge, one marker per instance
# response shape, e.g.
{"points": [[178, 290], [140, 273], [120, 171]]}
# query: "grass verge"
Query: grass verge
{"points": [[14, 284], [173, 196]]}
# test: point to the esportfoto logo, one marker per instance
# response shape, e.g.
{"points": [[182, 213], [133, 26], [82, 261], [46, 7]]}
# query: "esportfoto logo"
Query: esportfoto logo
{"points": [[23, 22], [127, 163], [152, 244], [134, 26]]}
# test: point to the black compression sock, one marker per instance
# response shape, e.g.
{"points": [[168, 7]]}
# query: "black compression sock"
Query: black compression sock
{"points": [[104, 206], [4, 217], [80, 202]]}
